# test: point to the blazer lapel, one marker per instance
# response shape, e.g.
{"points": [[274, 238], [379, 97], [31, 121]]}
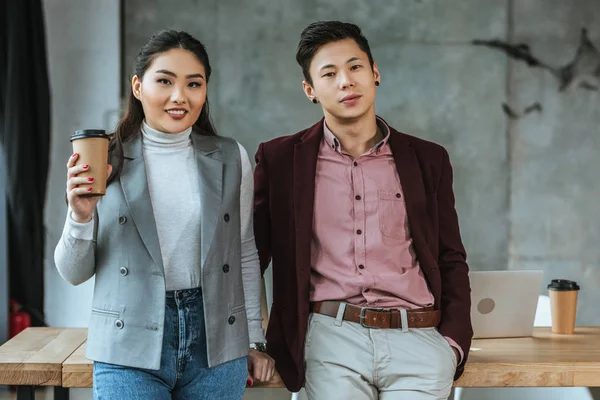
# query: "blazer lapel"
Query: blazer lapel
{"points": [[210, 169], [305, 167], [411, 179], [135, 188]]}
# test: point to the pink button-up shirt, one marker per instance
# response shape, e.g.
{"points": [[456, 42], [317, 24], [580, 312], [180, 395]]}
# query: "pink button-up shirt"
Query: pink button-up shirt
{"points": [[362, 250]]}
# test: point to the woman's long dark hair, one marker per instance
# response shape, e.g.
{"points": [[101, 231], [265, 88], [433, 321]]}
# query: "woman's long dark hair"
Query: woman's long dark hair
{"points": [[130, 124]]}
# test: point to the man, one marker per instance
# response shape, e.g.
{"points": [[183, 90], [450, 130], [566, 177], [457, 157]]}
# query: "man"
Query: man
{"points": [[371, 297]]}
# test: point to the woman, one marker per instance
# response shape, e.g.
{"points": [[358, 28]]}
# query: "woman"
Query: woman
{"points": [[177, 291]]}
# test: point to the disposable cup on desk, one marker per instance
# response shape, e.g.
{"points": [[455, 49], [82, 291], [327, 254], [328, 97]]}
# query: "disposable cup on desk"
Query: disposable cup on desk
{"points": [[563, 305]]}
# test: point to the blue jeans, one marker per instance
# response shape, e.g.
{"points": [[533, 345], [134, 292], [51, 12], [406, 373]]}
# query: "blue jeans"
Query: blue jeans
{"points": [[184, 371]]}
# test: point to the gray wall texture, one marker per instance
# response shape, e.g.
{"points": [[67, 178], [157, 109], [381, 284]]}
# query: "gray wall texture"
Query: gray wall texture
{"points": [[525, 180]]}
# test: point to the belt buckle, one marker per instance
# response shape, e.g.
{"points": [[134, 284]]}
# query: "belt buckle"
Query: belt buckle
{"points": [[362, 316]]}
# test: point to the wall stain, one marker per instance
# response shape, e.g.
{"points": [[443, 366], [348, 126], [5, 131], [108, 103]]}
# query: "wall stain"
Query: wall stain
{"points": [[583, 71]]}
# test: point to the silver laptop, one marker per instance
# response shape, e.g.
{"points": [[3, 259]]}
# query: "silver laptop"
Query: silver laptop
{"points": [[503, 303]]}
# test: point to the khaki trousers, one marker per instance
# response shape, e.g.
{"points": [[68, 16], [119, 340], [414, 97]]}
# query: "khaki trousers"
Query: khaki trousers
{"points": [[347, 361]]}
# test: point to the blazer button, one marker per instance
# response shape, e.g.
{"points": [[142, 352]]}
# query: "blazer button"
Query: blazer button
{"points": [[123, 271], [122, 219], [226, 217], [231, 320], [226, 268], [119, 324]]}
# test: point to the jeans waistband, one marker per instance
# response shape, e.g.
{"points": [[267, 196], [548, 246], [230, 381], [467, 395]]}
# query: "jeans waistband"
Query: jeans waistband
{"points": [[184, 295]]}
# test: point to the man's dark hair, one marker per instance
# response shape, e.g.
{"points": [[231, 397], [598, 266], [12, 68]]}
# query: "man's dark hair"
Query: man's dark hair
{"points": [[320, 33]]}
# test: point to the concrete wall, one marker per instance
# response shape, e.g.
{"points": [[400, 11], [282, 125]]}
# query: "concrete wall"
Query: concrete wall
{"points": [[553, 212], [83, 61]]}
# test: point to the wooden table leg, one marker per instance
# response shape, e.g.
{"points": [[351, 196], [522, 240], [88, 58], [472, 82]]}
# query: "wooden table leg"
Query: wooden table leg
{"points": [[61, 393], [25, 392]]}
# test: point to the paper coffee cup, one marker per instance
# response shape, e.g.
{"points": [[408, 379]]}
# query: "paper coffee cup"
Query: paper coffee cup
{"points": [[92, 147], [563, 305]]}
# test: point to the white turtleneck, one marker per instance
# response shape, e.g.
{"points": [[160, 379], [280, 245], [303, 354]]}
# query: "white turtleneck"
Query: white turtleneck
{"points": [[174, 186]]}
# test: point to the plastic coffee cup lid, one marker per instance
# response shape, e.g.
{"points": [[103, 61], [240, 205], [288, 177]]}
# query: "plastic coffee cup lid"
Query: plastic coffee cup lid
{"points": [[89, 133], [563, 285]]}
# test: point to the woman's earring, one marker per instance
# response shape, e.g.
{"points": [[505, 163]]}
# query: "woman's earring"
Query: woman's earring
{"points": [[314, 100], [376, 83]]}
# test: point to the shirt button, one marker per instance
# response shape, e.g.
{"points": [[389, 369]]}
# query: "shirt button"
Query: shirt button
{"points": [[231, 320], [367, 290], [361, 266], [226, 268], [123, 271], [357, 197], [398, 195], [119, 324], [355, 164], [226, 217], [358, 232], [122, 219]]}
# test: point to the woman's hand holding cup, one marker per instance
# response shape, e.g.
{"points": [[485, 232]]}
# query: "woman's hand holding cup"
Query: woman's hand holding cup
{"points": [[81, 204]]}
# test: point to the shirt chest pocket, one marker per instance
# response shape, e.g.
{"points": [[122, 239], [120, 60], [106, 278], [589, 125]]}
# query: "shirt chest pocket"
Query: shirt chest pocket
{"points": [[392, 214]]}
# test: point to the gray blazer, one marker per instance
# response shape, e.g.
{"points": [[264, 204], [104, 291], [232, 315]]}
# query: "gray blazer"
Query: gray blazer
{"points": [[126, 323]]}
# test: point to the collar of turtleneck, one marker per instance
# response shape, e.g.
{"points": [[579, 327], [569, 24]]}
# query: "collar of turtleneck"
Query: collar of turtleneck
{"points": [[154, 139]]}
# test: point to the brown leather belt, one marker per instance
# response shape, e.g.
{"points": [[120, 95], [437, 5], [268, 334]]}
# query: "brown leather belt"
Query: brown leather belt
{"points": [[371, 317]]}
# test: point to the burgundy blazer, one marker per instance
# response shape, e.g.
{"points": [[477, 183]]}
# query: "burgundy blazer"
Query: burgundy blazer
{"points": [[284, 182]]}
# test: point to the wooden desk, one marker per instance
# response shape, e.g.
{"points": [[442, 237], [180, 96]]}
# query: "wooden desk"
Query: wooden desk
{"points": [[544, 360], [77, 370], [56, 357], [34, 358]]}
